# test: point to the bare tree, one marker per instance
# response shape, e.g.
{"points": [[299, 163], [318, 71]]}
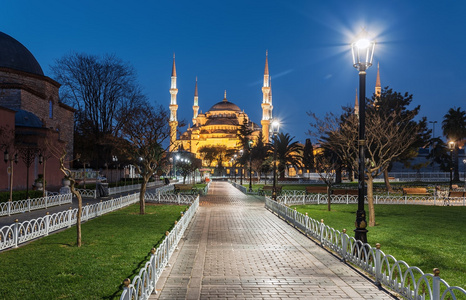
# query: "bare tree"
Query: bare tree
{"points": [[102, 89], [145, 130], [325, 163]]}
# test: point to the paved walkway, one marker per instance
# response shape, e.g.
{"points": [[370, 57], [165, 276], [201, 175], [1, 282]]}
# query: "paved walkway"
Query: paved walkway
{"points": [[236, 249]]}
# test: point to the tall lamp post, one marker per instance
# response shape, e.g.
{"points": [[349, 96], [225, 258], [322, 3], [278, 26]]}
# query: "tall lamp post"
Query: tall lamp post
{"points": [[363, 52], [250, 167], [241, 169], [6, 159], [464, 172], [451, 146], [275, 128]]}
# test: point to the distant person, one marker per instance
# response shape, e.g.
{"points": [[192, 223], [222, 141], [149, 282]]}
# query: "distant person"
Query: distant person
{"points": [[167, 181]]}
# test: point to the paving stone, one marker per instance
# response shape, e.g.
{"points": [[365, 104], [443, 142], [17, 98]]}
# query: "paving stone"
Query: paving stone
{"points": [[236, 249]]}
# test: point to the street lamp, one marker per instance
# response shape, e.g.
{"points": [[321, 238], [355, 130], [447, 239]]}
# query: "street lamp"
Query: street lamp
{"points": [[241, 170], [363, 52], [250, 169], [451, 146], [274, 129], [464, 172], [6, 159]]}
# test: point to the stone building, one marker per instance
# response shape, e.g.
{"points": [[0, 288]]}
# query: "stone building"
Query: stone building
{"points": [[33, 99]]}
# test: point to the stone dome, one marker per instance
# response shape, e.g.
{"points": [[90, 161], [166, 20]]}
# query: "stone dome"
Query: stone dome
{"points": [[225, 105], [14, 55], [27, 119]]}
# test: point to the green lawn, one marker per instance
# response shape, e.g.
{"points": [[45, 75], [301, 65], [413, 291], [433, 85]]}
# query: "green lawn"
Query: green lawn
{"points": [[115, 246], [424, 236]]}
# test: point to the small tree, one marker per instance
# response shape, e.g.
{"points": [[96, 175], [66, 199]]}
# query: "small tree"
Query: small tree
{"points": [[144, 131], [325, 165]]}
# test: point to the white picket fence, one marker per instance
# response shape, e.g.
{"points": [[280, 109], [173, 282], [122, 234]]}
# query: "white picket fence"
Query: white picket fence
{"points": [[21, 206], [143, 284], [17, 233], [128, 188], [397, 275], [300, 197]]}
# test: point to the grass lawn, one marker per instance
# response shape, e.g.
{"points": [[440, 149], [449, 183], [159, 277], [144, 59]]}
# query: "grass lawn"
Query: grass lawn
{"points": [[115, 246], [424, 236]]}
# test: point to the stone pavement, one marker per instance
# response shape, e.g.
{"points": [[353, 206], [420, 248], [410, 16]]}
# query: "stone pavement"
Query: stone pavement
{"points": [[236, 249]]}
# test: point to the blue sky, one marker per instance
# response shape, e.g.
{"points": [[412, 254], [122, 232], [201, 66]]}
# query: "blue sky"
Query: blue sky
{"points": [[420, 47]]}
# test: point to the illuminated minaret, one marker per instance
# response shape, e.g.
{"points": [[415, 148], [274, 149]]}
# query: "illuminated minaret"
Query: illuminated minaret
{"points": [[266, 102], [378, 88], [356, 104], [196, 104], [173, 108]]}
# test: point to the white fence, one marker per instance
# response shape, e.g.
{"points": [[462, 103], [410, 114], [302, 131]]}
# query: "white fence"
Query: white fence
{"points": [[128, 188], [300, 197], [144, 283], [21, 206], [18, 233], [397, 275]]}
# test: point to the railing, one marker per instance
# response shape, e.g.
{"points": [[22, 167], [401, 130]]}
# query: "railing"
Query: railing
{"points": [[299, 197], [85, 193], [128, 188], [169, 198], [397, 275], [18, 233], [144, 283], [239, 187], [21, 206]]}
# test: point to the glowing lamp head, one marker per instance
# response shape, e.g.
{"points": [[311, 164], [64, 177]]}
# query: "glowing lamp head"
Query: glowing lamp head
{"points": [[451, 145], [275, 127], [363, 52]]}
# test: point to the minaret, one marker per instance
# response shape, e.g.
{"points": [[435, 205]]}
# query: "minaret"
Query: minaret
{"points": [[196, 104], [173, 108], [356, 104], [378, 88], [266, 102]]}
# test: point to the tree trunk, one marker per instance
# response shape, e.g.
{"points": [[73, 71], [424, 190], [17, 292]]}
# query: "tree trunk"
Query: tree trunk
{"points": [[142, 202], [370, 200], [338, 174], [80, 208], [387, 181]]}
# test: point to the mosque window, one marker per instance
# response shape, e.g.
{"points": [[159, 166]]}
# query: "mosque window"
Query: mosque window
{"points": [[50, 109]]}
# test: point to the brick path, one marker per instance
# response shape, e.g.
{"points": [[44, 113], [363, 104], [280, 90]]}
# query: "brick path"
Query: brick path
{"points": [[236, 249]]}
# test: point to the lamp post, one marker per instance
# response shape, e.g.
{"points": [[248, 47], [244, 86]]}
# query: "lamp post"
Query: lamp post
{"points": [[363, 52], [250, 167], [241, 169], [275, 128], [115, 161], [234, 166], [6, 159], [464, 172], [451, 146], [177, 157]]}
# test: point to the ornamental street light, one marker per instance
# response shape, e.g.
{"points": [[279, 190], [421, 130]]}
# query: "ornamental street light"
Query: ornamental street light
{"points": [[250, 169], [6, 159], [274, 130], [451, 146], [241, 169], [464, 172], [363, 52]]}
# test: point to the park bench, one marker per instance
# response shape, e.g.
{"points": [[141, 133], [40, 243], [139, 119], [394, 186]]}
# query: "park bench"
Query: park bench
{"points": [[344, 192], [316, 189], [269, 188], [415, 191], [456, 194], [185, 188]]}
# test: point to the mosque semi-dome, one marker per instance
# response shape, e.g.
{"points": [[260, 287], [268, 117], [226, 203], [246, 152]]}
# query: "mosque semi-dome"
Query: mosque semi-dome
{"points": [[13, 55]]}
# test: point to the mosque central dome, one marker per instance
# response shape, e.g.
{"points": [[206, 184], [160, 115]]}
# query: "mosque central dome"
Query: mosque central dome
{"points": [[13, 55]]}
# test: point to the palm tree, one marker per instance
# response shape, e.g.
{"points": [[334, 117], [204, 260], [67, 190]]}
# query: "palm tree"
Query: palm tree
{"points": [[289, 153], [454, 128]]}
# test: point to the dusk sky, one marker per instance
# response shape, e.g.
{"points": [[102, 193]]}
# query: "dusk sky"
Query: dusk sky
{"points": [[421, 48]]}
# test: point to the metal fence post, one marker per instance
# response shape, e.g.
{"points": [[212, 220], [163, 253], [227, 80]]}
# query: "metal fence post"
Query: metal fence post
{"points": [[436, 285], [378, 266], [45, 203], [16, 234], [47, 222], [153, 268], [9, 208], [70, 213], [29, 205], [322, 232], [127, 289], [344, 245], [318, 198], [306, 220]]}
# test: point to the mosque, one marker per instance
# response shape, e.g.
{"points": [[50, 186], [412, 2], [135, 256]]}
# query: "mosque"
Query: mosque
{"points": [[220, 124], [30, 112]]}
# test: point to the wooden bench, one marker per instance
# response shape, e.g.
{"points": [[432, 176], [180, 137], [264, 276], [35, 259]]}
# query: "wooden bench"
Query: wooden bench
{"points": [[415, 191], [344, 192], [269, 188], [185, 188], [316, 189], [456, 194]]}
